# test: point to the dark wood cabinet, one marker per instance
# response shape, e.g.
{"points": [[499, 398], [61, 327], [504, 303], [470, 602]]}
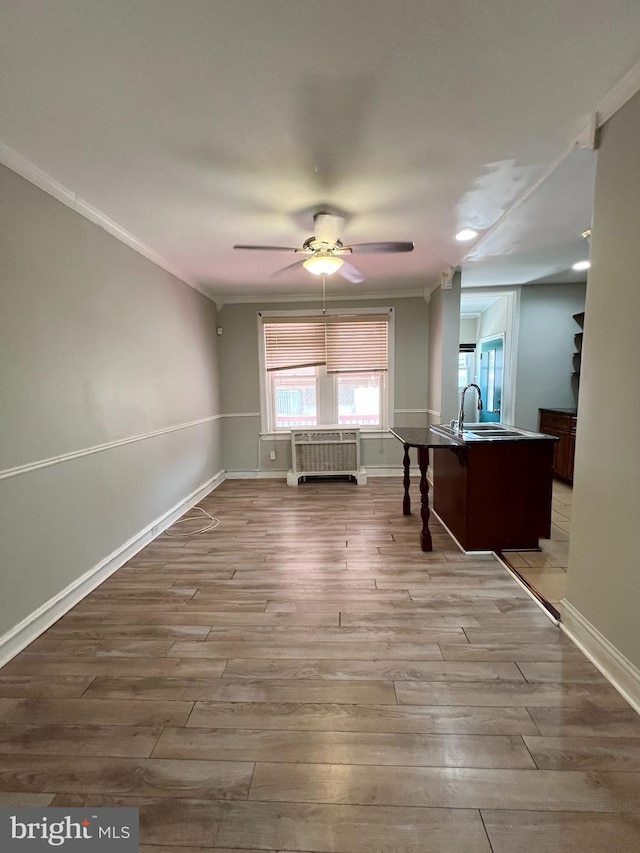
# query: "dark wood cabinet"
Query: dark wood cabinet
{"points": [[561, 423], [495, 497]]}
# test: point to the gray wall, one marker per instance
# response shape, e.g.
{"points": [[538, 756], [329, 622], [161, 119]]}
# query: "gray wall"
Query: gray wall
{"points": [[97, 346], [468, 330], [444, 346], [545, 349], [245, 453], [493, 321], [605, 538]]}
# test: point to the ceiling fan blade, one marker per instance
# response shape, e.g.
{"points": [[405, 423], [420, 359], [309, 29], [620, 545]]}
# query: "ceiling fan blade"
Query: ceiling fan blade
{"points": [[286, 269], [363, 248], [267, 248], [350, 272]]}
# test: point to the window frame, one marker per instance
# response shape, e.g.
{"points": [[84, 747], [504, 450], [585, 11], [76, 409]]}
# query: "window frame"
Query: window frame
{"points": [[388, 410]]}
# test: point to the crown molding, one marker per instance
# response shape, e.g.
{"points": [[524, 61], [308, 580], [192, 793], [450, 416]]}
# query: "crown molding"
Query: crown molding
{"points": [[618, 96], [257, 299], [615, 99], [41, 179]]}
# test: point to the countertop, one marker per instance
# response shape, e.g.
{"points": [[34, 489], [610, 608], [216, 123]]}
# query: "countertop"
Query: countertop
{"points": [[422, 437], [427, 437]]}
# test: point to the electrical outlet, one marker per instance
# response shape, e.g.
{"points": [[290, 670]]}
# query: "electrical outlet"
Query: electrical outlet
{"points": [[272, 455]]}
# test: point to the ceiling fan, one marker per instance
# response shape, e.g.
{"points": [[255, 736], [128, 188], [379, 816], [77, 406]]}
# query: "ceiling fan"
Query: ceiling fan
{"points": [[324, 250]]}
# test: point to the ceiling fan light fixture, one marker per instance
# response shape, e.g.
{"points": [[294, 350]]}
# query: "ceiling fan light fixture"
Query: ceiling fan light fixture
{"points": [[322, 263]]}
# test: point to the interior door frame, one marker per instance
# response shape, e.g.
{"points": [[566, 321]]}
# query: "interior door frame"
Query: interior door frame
{"points": [[510, 363], [499, 336]]}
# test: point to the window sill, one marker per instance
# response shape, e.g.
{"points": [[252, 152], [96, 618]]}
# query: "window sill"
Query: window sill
{"points": [[365, 432]]}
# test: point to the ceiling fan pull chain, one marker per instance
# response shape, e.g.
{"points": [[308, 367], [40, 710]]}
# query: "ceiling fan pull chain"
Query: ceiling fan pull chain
{"points": [[324, 297]]}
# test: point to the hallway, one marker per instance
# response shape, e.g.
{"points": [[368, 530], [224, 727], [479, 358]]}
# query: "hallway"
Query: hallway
{"points": [[303, 678]]}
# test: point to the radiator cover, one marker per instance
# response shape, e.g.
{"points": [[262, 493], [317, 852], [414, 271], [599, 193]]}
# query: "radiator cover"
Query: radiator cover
{"points": [[325, 451]]}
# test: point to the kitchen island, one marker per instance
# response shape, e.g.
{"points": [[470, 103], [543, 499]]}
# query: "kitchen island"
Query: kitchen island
{"points": [[423, 439], [492, 484]]}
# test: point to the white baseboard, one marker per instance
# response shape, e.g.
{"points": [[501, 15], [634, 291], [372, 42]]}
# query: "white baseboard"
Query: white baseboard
{"points": [[255, 475], [25, 632], [370, 470], [615, 667]]}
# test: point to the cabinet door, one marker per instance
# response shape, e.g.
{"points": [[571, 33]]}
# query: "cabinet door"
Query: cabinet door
{"points": [[562, 457], [552, 423]]}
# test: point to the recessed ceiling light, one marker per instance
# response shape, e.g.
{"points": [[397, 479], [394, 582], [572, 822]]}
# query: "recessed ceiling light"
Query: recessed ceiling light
{"points": [[581, 265], [466, 234]]}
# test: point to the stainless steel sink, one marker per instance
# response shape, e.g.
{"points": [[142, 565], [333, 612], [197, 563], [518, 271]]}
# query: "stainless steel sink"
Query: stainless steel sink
{"points": [[494, 432], [484, 426], [478, 431]]}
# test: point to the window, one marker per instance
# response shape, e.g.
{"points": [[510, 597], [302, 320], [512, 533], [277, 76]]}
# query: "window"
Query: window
{"points": [[293, 395], [360, 399], [324, 369], [466, 360]]}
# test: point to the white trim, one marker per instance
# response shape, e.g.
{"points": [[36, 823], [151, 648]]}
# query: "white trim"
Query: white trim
{"points": [[510, 365], [384, 470], [330, 312], [262, 377], [434, 413], [32, 173], [320, 312], [264, 474], [285, 435], [256, 474], [240, 415], [494, 336], [615, 667], [618, 96], [259, 299], [614, 100], [510, 350], [415, 412], [390, 379], [25, 632], [98, 448]]}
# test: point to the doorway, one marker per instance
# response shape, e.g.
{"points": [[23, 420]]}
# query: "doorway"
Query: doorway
{"points": [[489, 324], [490, 370]]}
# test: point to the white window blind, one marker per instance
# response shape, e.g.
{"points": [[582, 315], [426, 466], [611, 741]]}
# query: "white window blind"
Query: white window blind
{"points": [[356, 345], [289, 345], [343, 345]]}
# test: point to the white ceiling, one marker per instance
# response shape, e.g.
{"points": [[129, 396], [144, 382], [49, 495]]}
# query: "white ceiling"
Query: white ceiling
{"points": [[192, 125]]}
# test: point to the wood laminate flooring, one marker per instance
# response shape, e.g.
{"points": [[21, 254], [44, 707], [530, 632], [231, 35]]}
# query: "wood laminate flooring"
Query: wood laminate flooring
{"points": [[303, 678], [546, 570]]}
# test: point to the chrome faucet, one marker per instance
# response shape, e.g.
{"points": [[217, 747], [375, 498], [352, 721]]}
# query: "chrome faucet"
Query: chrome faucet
{"points": [[460, 424]]}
